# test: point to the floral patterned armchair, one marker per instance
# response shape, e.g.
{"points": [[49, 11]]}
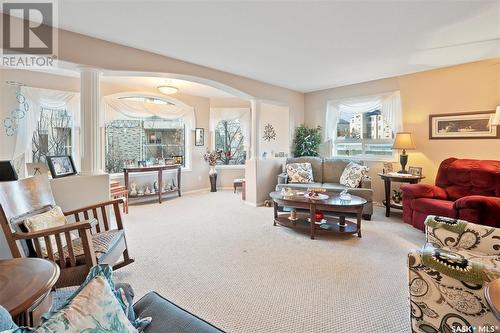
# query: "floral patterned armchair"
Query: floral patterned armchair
{"points": [[448, 275]]}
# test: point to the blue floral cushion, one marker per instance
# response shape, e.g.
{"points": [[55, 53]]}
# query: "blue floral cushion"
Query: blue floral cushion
{"points": [[6, 322]]}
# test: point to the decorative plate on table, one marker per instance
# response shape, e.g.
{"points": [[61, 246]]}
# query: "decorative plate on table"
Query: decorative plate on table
{"points": [[316, 196]]}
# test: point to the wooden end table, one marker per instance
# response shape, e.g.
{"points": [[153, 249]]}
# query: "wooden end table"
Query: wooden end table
{"points": [[333, 205], [26, 284], [388, 178]]}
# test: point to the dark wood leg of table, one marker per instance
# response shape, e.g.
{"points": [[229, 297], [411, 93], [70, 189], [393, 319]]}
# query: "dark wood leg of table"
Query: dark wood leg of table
{"points": [[313, 220], [359, 215], [125, 179], [275, 212], [179, 181], [387, 184], [160, 184]]}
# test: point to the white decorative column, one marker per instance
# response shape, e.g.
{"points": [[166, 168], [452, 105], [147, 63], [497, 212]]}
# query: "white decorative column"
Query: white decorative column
{"points": [[254, 136], [90, 106]]}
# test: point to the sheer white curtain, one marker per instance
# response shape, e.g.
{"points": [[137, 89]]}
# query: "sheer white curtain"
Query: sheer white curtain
{"points": [[389, 105], [228, 114], [115, 108], [37, 99]]}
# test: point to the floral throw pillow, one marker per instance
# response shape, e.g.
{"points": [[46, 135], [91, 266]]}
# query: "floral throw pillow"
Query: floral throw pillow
{"points": [[94, 309], [299, 173], [353, 174]]}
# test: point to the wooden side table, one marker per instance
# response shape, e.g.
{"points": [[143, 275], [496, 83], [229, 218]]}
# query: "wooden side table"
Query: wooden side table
{"points": [[388, 178], [26, 284]]}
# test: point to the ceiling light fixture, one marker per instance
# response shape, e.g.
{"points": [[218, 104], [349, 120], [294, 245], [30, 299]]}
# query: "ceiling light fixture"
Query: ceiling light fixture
{"points": [[168, 90]]}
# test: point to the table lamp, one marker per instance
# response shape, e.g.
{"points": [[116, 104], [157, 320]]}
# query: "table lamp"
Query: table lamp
{"points": [[403, 141]]}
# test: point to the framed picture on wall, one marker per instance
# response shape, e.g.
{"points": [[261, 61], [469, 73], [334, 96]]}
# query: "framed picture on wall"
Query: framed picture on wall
{"points": [[465, 125], [61, 166], [199, 137]]}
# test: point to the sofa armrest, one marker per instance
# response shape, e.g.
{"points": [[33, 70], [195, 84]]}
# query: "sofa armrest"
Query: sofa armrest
{"points": [[460, 234], [282, 178], [168, 317], [414, 191], [366, 182]]}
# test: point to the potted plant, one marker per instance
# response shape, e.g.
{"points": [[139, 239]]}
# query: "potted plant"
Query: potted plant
{"points": [[211, 157], [306, 141]]}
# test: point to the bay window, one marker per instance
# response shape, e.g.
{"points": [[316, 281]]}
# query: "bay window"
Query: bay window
{"points": [[145, 127]]}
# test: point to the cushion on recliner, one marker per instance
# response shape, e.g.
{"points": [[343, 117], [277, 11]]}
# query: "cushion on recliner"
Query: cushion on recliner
{"points": [[462, 177], [434, 207]]}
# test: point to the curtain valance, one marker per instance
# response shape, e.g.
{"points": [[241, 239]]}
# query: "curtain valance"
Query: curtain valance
{"points": [[228, 114], [389, 105], [36, 99], [121, 109]]}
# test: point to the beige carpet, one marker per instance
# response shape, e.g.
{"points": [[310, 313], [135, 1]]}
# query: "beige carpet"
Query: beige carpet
{"points": [[225, 261]]}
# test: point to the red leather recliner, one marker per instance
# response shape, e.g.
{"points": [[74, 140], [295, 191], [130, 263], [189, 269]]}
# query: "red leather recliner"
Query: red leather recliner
{"points": [[465, 189]]}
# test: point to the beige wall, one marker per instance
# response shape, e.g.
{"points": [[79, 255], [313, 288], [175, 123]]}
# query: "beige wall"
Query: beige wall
{"points": [[468, 87]]}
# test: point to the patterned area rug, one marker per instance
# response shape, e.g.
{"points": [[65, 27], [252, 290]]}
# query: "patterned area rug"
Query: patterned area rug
{"points": [[224, 261]]}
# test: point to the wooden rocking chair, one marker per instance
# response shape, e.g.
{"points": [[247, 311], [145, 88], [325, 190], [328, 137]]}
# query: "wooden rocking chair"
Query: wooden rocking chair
{"points": [[97, 242]]}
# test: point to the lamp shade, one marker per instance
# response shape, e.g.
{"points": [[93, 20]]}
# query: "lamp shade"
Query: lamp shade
{"points": [[403, 140]]}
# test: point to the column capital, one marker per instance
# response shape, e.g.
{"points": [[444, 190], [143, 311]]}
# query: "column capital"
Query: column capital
{"points": [[85, 68]]}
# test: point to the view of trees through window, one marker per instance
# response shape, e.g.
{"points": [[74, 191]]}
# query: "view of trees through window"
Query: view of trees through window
{"points": [[52, 136], [152, 140], [365, 134], [229, 139]]}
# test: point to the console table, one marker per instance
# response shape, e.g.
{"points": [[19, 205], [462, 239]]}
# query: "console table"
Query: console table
{"points": [[394, 177], [153, 168]]}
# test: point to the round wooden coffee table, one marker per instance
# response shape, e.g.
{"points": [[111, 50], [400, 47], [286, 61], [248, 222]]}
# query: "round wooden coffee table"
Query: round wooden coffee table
{"points": [[333, 207], [25, 284]]}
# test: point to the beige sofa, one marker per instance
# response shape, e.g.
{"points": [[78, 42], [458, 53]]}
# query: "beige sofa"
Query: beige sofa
{"points": [[326, 174]]}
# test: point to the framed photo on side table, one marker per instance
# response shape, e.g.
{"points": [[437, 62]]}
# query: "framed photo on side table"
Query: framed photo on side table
{"points": [[465, 125], [199, 137], [415, 171], [61, 166]]}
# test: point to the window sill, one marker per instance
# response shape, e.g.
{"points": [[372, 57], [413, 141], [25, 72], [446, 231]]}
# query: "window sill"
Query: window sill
{"points": [[230, 167], [369, 158]]}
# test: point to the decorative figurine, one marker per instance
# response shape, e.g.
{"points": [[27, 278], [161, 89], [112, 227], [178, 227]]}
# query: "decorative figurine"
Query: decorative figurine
{"points": [[133, 189]]}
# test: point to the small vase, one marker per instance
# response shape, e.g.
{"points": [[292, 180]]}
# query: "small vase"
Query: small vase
{"points": [[213, 178]]}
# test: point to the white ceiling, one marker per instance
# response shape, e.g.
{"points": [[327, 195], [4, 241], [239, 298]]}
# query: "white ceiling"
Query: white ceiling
{"points": [[302, 45]]}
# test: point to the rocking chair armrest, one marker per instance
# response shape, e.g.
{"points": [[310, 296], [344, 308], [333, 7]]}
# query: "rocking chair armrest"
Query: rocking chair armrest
{"points": [[55, 230], [98, 205]]}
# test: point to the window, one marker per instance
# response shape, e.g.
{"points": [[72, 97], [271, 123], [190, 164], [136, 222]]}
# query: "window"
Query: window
{"points": [[151, 139], [52, 135], [364, 126], [229, 139], [364, 134]]}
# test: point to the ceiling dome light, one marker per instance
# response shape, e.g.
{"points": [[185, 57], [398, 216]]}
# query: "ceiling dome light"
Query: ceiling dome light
{"points": [[167, 90]]}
